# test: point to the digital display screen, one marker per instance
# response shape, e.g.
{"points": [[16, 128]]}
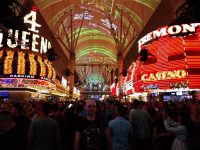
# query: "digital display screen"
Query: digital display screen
{"points": [[4, 94], [179, 93], [173, 93]]}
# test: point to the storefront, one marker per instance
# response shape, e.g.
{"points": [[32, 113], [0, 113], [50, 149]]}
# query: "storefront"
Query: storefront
{"points": [[171, 70], [25, 72]]}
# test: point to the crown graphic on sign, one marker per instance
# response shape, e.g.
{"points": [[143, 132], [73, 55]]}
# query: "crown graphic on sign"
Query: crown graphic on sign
{"points": [[34, 8]]}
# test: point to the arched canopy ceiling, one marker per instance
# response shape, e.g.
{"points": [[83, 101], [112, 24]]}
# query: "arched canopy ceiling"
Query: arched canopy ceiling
{"points": [[97, 29]]}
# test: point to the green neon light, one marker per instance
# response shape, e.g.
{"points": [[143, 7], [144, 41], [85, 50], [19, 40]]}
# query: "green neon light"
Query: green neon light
{"points": [[101, 50], [103, 29], [116, 14], [95, 46], [97, 30], [106, 61], [104, 45], [98, 50], [86, 58], [110, 40], [89, 31], [95, 78], [93, 34]]}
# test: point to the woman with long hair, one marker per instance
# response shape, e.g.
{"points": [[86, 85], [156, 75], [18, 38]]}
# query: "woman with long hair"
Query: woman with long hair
{"points": [[182, 130]]}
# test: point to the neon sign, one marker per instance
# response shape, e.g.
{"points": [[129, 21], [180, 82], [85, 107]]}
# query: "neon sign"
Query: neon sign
{"points": [[178, 85], [171, 30], [23, 39], [64, 82], [150, 86], [165, 75], [128, 85], [21, 76]]}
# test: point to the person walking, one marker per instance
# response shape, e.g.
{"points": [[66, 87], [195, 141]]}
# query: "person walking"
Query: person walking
{"points": [[142, 127], [89, 133], [44, 131], [119, 131], [12, 136]]}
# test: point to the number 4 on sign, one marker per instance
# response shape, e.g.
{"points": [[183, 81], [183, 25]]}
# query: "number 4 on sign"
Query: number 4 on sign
{"points": [[31, 19]]}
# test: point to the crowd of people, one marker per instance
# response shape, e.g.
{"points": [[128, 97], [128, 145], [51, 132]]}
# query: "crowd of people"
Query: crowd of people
{"points": [[97, 125]]}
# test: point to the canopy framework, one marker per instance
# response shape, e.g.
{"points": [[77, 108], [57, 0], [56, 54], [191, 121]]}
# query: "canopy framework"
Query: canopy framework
{"points": [[96, 31]]}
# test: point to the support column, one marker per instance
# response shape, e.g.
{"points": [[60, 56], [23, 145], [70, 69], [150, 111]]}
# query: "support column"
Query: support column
{"points": [[120, 62], [111, 76], [71, 67]]}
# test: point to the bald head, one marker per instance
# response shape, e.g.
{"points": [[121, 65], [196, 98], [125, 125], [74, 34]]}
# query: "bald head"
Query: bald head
{"points": [[90, 103], [91, 108]]}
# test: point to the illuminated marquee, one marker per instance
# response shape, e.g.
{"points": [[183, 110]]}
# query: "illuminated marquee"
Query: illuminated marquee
{"points": [[151, 86], [21, 76], [129, 85], [23, 39], [165, 75], [171, 30], [25, 64], [64, 82]]}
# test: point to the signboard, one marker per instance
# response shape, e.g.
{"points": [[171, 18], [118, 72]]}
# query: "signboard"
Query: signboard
{"points": [[164, 31], [64, 82], [29, 40], [164, 75]]}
